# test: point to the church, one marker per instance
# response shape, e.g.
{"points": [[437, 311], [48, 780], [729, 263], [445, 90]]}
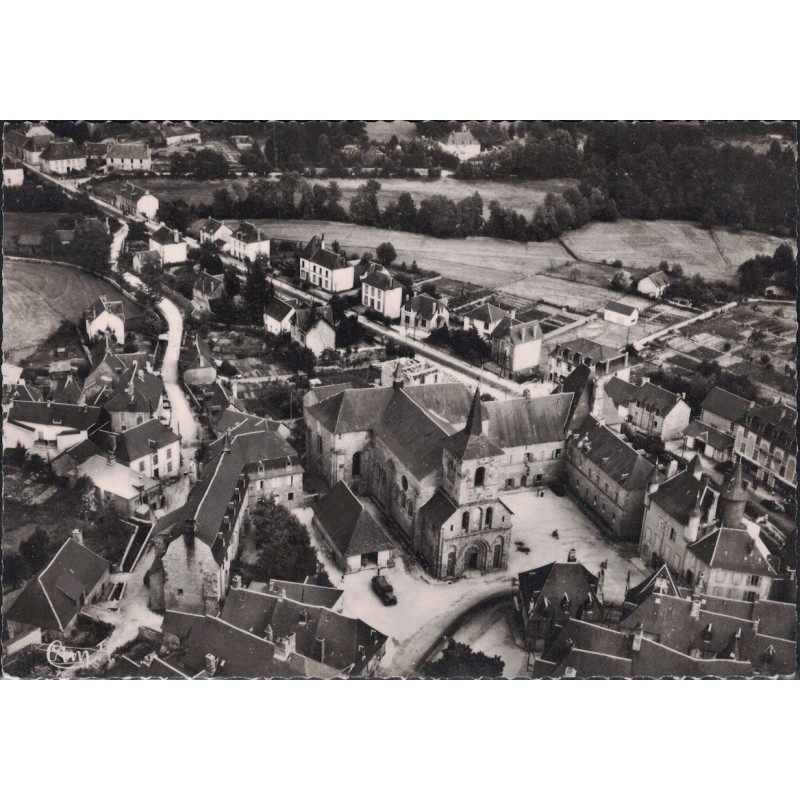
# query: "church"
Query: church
{"points": [[435, 459]]}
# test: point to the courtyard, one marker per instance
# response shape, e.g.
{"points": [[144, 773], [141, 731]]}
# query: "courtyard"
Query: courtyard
{"points": [[427, 609]]}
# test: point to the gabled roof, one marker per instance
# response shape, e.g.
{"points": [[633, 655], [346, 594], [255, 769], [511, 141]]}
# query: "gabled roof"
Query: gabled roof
{"points": [[278, 310], [307, 593], [620, 308], [380, 279], [136, 390], [659, 278], [207, 284], [349, 524], [612, 455], [711, 436], [660, 582], [165, 236], [587, 349], [681, 493], [545, 589], [67, 390], [486, 313], [102, 304], [621, 392], [776, 423], [248, 233], [54, 597], [17, 392], [461, 138], [255, 443], [426, 306], [306, 319], [725, 404], [654, 398], [67, 415], [212, 226], [60, 151], [528, 420], [734, 549], [316, 253], [130, 150], [116, 478], [517, 332], [438, 509], [138, 441], [132, 193]]}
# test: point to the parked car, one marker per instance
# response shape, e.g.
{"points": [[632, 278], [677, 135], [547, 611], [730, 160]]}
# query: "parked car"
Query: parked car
{"points": [[384, 590]]}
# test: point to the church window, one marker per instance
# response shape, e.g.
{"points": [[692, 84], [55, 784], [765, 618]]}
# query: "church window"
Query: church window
{"points": [[480, 476], [489, 516], [404, 483], [465, 521]]}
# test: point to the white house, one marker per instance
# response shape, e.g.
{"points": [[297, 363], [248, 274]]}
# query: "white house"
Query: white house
{"points": [[620, 313], [484, 319], [313, 328], [380, 291], [129, 157], [658, 412], [461, 144], [62, 158], [425, 312], [103, 315], [48, 429], [216, 232], [133, 200], [13, 174], [247, 241], [322, 267], [171, 246], [517, 347], [653, 285], [151, 448], [278, 316]]}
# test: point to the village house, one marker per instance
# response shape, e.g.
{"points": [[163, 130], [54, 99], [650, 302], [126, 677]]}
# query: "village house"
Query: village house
{"points": [[425, 313], [146, 261], [247, 242], [16, 392], [722, 410], [712, 443], [381, 292], [13, 174], [484, 319], [51, 601], [48, 429], [308, 592], [320, 266], [516, 347], [206, 288], [653, 285], [461, 144], [62, 157], [134, 201], [766, 440], [313, 328], [602, 360], [278, 316], [108, 365], [620, 313], [198, 367], [129, 157], [171, 246], [180, 133], [151, 448], [354, 536], [657, 412], [215, 232], [551, 595], [609, 477], [136, 396], [27, 143], [105, 315], [65, 390], [119, 487]]}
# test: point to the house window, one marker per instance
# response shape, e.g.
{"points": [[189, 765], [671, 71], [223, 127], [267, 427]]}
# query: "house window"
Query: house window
{"points": [[356, 464], [319, 444], [480, 476], [509, 483], [750, 597], [155, 457], [557, 452], [672, 534], [290, 496], [141, 466], [753, 580]]}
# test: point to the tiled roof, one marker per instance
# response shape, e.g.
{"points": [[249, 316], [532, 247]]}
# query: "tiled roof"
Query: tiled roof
{"points": [[621, 392], [307, 593], [734, 549], [129, 150], [654, 398], [705, 433], [136, 390], [517, 332], [211, 226], [620, 308], [528, 421], [678, 495], [16, 392], [54, 597], [165, 236], [136, 442], [306, 319], [60, 151], [615, 457], [438, 509], [426, 306], [486, 313], [776, 423], [278, 310], [317, 254], [352, 528], [724, 404], [659, 278], [67, 415], [380, 280], [586, 349], [67, 391]]}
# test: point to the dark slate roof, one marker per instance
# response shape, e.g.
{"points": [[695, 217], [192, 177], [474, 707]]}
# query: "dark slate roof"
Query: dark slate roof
{"points": [[307, 319], [136, 390], [255, 443], [321, 635], [776, 423], [654, 398], [660, 582], [352, 528], [486, 313], [352, 410], [248, 233], [211, 226], [131, 150], [733, 549], [16, 392], [317, 254], [67, 390], [321, 393], [621, 392], [526, 421], [278, 310], [307, 593], [60, 151], [517, 332], [679, 495], [131, 192], [239, 422], [447, 403], [52, 599], [438, 509], [549, 584], [380, 280], [717, 439], [78, 454], [207, 284], [138, 441], [725, 404], [68, 415], [104, 304], [659, 278], [198, 356], [471, 442], [586, 349], [425, 305], [620, 308], [610, 453], [106, 350], [165, 236]]}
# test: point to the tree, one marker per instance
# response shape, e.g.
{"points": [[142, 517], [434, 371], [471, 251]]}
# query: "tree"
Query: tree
{"points": [[364, 208], [386, 253], [35, 549], [210, 164], [461, 661], [255, 292], [285, 550]]}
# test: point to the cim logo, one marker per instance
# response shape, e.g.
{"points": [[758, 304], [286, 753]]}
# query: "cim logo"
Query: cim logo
{"points": [[61, 656]]}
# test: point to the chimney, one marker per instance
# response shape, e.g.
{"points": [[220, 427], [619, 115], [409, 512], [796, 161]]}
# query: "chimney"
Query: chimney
{"points": [[175, 236], [321, 645], [672, 468], [513, 313], [211, 665], [236, 583], [268, 633], [645, 380], [570, 672], [77, 536]]}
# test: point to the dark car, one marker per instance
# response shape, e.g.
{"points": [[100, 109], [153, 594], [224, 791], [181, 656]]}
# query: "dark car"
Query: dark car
{"points": [[384, 590]]}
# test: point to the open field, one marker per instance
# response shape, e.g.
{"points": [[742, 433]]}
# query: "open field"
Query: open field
{"points": [[16, 223], [578, 296], [522, 196], [170, 189], [37, 297], [642, 244], [479, 260]]}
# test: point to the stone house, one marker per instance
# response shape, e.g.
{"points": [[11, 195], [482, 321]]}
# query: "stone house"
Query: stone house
{"points": [[134, 201], [137, 396], [313, 328], [322, 267], [381, 292], [247, 242], [171, 246], [517, 347], [129, 157], [425, 313], [61, 158]]}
